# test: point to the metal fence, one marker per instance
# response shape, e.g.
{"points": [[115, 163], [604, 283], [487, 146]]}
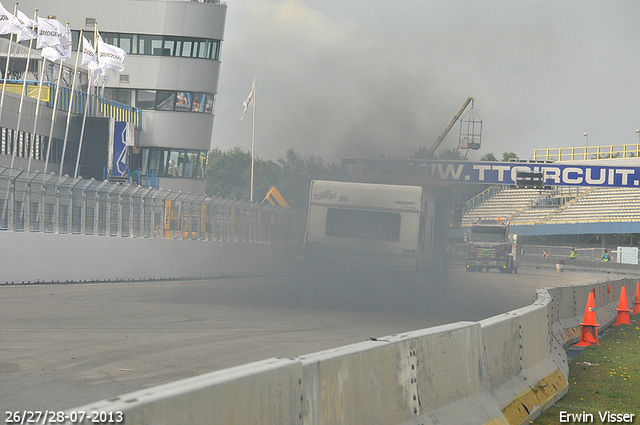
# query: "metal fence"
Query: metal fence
{"points": [[460, 251], [38, 202]]}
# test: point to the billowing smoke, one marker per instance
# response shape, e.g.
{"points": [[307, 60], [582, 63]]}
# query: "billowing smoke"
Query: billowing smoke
{"points": [[348, 78]]}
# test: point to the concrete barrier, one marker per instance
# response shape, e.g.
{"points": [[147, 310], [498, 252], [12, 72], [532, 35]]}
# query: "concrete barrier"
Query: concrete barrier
{"points": [[503, 370], [434, 375], [265, 392], [522, 375], [49, 257]]}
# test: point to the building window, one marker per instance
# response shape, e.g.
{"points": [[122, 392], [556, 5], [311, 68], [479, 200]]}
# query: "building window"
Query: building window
{"points": [[171, 46], [361, 224], [183, 101], [124, 96], [146, 99], [187, 49], [157, 45], [128, 43], [163, 100], [182, 163]]}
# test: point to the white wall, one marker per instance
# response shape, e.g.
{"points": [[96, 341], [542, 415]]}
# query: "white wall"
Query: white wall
{"points": [[48, 257]]}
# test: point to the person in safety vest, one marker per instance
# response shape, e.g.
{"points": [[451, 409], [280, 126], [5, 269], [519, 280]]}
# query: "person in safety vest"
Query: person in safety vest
{"points": [[605, 257], [573, 254]]}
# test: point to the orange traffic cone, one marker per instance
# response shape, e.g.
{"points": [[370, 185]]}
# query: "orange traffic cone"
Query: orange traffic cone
{"points": [[623, 309], [636, 301], [589, 334]]}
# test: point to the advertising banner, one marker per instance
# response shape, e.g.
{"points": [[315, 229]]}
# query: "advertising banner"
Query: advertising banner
{"points": [[496, 172], [122, 138]]}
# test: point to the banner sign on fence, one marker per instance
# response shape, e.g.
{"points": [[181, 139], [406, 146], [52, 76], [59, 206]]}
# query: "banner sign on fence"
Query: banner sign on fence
{"points": [[122, 138], [628, 255], [495, 172]]}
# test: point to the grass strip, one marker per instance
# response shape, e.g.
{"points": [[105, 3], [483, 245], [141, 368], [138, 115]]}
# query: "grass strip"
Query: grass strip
{"points": [[604, 380]]}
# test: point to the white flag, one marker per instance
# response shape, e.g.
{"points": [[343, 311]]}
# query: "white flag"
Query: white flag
{"points": [[54, 53], [89, 57], [26, 33], [25, 20], [9, 24], [52, 33], [110, 56], [248, 101]]}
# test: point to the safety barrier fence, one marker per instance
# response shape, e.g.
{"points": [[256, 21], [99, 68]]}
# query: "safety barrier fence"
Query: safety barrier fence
{"points": [[563, 252], [554, 253], [503, 370], [38, 202]]}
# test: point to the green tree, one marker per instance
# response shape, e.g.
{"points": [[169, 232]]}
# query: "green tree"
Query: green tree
{"points": [[508, 155], [229, 175], [297, 173], [489, 156], [421, 153]]}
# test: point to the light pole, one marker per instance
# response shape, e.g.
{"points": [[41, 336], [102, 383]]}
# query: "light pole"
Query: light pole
{"points": [[638, 131], [586, 135]]}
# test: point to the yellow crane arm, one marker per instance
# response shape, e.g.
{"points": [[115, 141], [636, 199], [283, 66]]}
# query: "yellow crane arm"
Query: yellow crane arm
{"points": [[435, 146]]}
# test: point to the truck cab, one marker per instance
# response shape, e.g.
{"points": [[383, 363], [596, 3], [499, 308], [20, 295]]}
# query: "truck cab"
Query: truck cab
{"points": [[491, 246]]}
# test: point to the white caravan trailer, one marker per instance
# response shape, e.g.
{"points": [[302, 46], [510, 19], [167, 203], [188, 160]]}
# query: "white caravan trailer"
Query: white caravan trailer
{"points": [[369, 226]]}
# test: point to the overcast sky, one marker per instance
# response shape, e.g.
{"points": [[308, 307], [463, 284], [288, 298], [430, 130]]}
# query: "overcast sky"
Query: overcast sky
{"points": [[354, 78]]}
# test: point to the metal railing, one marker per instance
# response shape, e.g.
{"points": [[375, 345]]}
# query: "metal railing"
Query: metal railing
{"points": [[98, 106], [562, 252], [38, 202], [481, 197], [460, 250], [587, 153], [557, 196]]}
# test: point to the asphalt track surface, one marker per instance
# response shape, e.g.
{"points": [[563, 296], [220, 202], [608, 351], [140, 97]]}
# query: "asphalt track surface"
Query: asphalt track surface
{"points": [[67, 345]]}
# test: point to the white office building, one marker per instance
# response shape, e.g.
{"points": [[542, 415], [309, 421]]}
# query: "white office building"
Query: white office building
{"points": [[171, 75]]}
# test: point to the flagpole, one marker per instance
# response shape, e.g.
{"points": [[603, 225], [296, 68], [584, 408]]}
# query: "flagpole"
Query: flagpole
{"points": [[24, 88], [53, 114], [84, 121], [6, 70], [86, 104], [73, 86], [35, 122], [253, 136]]}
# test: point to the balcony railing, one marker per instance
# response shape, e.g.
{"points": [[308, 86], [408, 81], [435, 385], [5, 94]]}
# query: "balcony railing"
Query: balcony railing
{"points": [[98, 106]]}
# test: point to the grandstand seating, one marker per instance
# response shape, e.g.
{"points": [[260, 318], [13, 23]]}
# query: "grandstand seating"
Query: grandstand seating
{"points": [[601, 204], [504, 204], [561, 205]]}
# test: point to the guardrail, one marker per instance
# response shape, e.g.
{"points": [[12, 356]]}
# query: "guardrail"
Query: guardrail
{"points": [[503, 370]]}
